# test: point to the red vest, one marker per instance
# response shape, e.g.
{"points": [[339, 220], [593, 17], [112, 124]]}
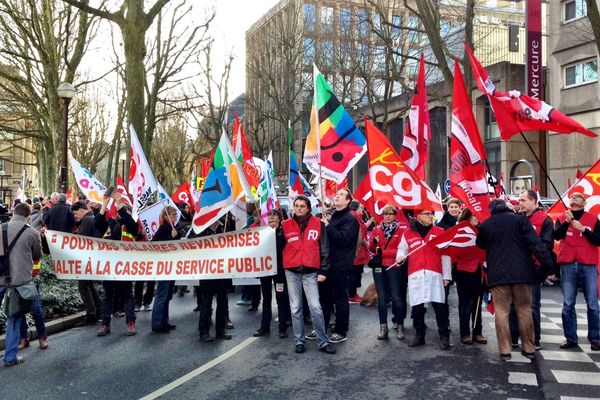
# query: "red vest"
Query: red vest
{"points": [[427, 257], [302, 249], [575, 246], [388, 251], [537, 220], [362, 252]]}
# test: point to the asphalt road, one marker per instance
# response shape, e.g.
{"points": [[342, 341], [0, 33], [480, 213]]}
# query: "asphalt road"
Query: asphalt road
{"points": [[79, 365]]}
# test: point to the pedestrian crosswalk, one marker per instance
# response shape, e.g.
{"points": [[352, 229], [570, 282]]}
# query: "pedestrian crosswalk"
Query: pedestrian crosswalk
{"points": [[565, 373]]}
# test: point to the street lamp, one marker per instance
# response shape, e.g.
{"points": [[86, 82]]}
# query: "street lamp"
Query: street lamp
{"points": [[65, 91]]}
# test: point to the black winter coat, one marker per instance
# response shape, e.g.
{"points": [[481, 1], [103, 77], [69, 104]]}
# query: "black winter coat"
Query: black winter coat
{"points": [[342, 233], [509, 240], [59, 218], [92, 225]]}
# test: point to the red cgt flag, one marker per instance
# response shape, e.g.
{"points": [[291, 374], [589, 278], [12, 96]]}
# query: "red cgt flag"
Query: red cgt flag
{"points": [[364, 195], [415, 144], [517, 112], [183, 195], [589, 185], [392, 181], [468, 174]]}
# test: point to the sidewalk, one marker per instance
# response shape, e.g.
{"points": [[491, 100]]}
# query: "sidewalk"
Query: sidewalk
{"points": [[52, 327]]}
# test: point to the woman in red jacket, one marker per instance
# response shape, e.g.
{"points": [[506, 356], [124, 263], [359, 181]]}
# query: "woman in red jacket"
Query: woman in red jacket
{"points": [[469, 286], [385, 241]]}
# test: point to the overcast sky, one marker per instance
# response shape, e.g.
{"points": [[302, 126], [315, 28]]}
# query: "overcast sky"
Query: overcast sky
{"points": [[233, 18]]}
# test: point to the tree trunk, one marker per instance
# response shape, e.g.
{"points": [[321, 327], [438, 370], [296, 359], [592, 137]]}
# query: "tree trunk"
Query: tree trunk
{"points": [[594, 16]]}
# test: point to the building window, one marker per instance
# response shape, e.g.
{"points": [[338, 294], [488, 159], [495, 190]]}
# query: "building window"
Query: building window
{"points": [[327, 19], [309, 51], [310, 17], [346, 54], [413, 25], [396, 24], [345, 22], [491, 126], [326, 55], [363, 23], [575, 9], [581, 73], [396, 134], [380, 58], [362, 51]]}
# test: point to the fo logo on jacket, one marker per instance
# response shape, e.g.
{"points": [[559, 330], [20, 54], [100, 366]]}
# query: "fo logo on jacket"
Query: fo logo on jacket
{"points": [[313, 234]]}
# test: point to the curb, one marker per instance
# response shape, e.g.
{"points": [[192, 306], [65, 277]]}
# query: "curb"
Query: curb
{"points": [[52, 327]]}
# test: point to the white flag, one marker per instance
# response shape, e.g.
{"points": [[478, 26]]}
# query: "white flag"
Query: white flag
{"points": [[141, 180]]}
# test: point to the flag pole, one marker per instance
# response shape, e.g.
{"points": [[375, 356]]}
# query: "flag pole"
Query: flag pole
{"points": [[544, 170], [290, 134]]}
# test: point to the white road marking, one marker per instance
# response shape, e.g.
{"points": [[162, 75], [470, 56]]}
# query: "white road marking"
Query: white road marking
{"points": [[577, 377], [199, 370], [522, 378]]}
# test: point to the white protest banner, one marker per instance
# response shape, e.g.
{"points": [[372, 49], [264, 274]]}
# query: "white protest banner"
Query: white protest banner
{"points": [[89, 185], [150, 218], [141, 181], [248, 253]]}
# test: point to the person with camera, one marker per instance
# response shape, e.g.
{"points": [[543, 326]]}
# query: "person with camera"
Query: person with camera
{"points": [[22, 245], [579, 235], [384, 245]]}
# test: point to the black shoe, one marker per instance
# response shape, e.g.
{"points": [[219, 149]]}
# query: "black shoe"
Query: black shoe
{"points": [[196, 309], [568, 345], [418, 340], [300, 348], [161, 329], [171, 327], [261, 332], [206, 338], [444, 343], [16, 361], [328, 348], [525, 354], [283, 335], [595, 346], [505, 357], [228, 325], [224, 336]]}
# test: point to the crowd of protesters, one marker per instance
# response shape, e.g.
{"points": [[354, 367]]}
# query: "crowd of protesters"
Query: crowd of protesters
{"points": [[321, 255]]}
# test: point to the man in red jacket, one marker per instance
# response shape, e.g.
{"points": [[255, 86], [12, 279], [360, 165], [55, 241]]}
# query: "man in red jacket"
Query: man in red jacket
{"points": [[579, 235], [306, 262]]}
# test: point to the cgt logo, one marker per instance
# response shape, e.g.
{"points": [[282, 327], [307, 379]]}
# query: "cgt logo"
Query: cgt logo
{"points": [[407, 191]]}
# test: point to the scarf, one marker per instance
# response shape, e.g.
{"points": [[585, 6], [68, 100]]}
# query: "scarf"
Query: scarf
{"points": [[302, 221], [388, 230]]}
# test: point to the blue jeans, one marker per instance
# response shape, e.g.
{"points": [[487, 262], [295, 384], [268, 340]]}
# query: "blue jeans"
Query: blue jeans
{"points": [[12, 333], [585, 276], [393, 278], [38, 317], [296, 282], [160, 312]]}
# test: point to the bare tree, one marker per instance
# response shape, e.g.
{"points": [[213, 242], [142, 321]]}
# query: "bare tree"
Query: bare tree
{"points": [[89, 129], [274, 67], [594, 17], [154, 65], [173, 152], [211, 91], [42, 44]]}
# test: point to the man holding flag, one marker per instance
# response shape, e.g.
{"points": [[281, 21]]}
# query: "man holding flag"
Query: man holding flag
{"points": [[429, 276]]}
